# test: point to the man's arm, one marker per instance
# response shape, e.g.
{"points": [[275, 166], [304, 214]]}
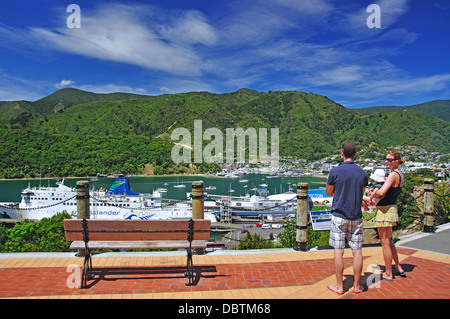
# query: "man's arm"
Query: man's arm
{"points": [[329, 190]]}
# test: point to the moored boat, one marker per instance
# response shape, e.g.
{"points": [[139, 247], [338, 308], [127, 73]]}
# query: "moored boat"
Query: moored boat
{"points": [[119, 202]]}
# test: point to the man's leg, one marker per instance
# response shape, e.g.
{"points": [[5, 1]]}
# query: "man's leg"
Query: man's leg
{"points": [[355, 242], [337, 241], [357, 269], [338, 271]]}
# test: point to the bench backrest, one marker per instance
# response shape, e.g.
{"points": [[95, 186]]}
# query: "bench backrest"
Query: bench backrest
{"points": [[136, 230]]}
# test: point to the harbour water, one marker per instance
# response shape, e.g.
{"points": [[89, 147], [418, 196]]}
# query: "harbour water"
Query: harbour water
{"points": [[10, 189]]}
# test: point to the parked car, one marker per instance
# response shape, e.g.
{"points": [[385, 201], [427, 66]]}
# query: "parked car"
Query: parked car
{"points": [[258, 225], [266, 226]]}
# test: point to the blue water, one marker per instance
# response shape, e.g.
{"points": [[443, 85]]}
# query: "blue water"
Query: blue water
{"points": [[10, 189]]}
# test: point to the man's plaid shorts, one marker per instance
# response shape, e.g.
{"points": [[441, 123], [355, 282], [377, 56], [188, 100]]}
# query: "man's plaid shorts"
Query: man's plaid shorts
{"points": [[343, 228]]}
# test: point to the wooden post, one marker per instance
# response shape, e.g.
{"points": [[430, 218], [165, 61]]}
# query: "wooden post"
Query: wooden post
{"points": [[198, 207], [302, 217], [82, 206], [198, 201], [428, 205]]}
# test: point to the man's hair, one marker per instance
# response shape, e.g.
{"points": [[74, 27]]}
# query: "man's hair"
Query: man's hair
{"points": [[349, 149]]}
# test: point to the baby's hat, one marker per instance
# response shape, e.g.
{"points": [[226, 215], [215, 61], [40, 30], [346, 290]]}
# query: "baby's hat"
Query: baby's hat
{"points": [[379, 175]]}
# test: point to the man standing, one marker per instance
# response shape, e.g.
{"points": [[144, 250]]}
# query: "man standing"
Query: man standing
{"points": [[346, 184]]}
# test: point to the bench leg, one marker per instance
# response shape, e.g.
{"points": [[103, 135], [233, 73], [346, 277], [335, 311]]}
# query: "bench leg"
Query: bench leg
{"points": [[189, 269], [87, 270]]}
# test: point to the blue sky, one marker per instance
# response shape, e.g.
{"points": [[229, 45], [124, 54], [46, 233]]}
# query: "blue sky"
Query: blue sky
{"points": [[172, 46]]}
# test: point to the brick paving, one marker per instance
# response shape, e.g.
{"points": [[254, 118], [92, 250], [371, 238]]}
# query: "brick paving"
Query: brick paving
{"points": [[281, 274]]}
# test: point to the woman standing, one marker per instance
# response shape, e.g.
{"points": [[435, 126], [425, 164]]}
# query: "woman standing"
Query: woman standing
{"points": [[387, 215]]}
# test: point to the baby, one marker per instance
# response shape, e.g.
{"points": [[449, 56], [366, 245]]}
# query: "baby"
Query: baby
{"points": [[379, 176]]}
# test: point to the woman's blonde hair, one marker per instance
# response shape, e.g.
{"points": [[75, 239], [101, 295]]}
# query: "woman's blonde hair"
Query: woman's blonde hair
{"points": [[397, 157]]}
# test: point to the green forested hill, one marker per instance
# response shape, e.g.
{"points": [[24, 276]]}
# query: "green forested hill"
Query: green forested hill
{"points": [[311, 127], [438, 108], [65, 98]]}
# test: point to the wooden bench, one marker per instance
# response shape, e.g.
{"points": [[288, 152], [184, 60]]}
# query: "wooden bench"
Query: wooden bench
{"points": [[89, 234]]}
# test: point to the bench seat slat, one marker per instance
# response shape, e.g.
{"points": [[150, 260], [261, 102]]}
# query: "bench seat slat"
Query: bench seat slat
{"points": [[149, 244], [137, 225], [134, 230], [132, 236]]}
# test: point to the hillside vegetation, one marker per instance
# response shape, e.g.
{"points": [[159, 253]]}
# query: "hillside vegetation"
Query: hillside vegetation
{"points": [[73, 132], [438, 108]]}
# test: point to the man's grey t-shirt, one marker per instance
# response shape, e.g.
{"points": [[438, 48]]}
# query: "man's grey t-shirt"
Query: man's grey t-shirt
{"points": [[349, 181]]}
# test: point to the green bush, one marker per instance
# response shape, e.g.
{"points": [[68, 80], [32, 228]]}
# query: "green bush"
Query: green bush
{"points": [[46, 235], [315, 238], [254, 241]]}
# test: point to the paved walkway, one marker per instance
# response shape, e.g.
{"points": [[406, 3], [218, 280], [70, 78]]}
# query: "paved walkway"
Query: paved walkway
{"points": [[269, 274]]}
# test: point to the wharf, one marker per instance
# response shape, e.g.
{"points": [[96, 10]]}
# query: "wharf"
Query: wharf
{"points": [[10, 221], [273, 274]]}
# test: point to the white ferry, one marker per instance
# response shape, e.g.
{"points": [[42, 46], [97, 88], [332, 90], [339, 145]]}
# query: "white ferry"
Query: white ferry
{"points": [[119, 202], [260, 202]]}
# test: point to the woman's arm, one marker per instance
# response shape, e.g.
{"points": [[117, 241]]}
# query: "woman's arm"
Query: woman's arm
{"points": [[390, 181]]}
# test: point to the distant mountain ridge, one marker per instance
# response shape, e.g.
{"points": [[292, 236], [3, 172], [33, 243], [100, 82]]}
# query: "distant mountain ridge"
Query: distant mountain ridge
{"points": [[437, 108], [60, 100]]}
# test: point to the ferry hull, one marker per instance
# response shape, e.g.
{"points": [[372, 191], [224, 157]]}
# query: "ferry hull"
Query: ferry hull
{"points": [[112, 213]]}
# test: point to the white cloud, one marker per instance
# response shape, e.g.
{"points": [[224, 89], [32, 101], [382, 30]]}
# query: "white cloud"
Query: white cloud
{"points": [[354, 22], [14, 88], [111, 88], [135, 35], [313, 45], [63, 83], [191, 28], [310, 7]]}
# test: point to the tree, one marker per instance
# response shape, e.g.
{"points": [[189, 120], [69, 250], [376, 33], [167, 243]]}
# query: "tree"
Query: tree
{"points": [[254, 241], [441, 203], [289, 234], [46, 235], [408, 209]]}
